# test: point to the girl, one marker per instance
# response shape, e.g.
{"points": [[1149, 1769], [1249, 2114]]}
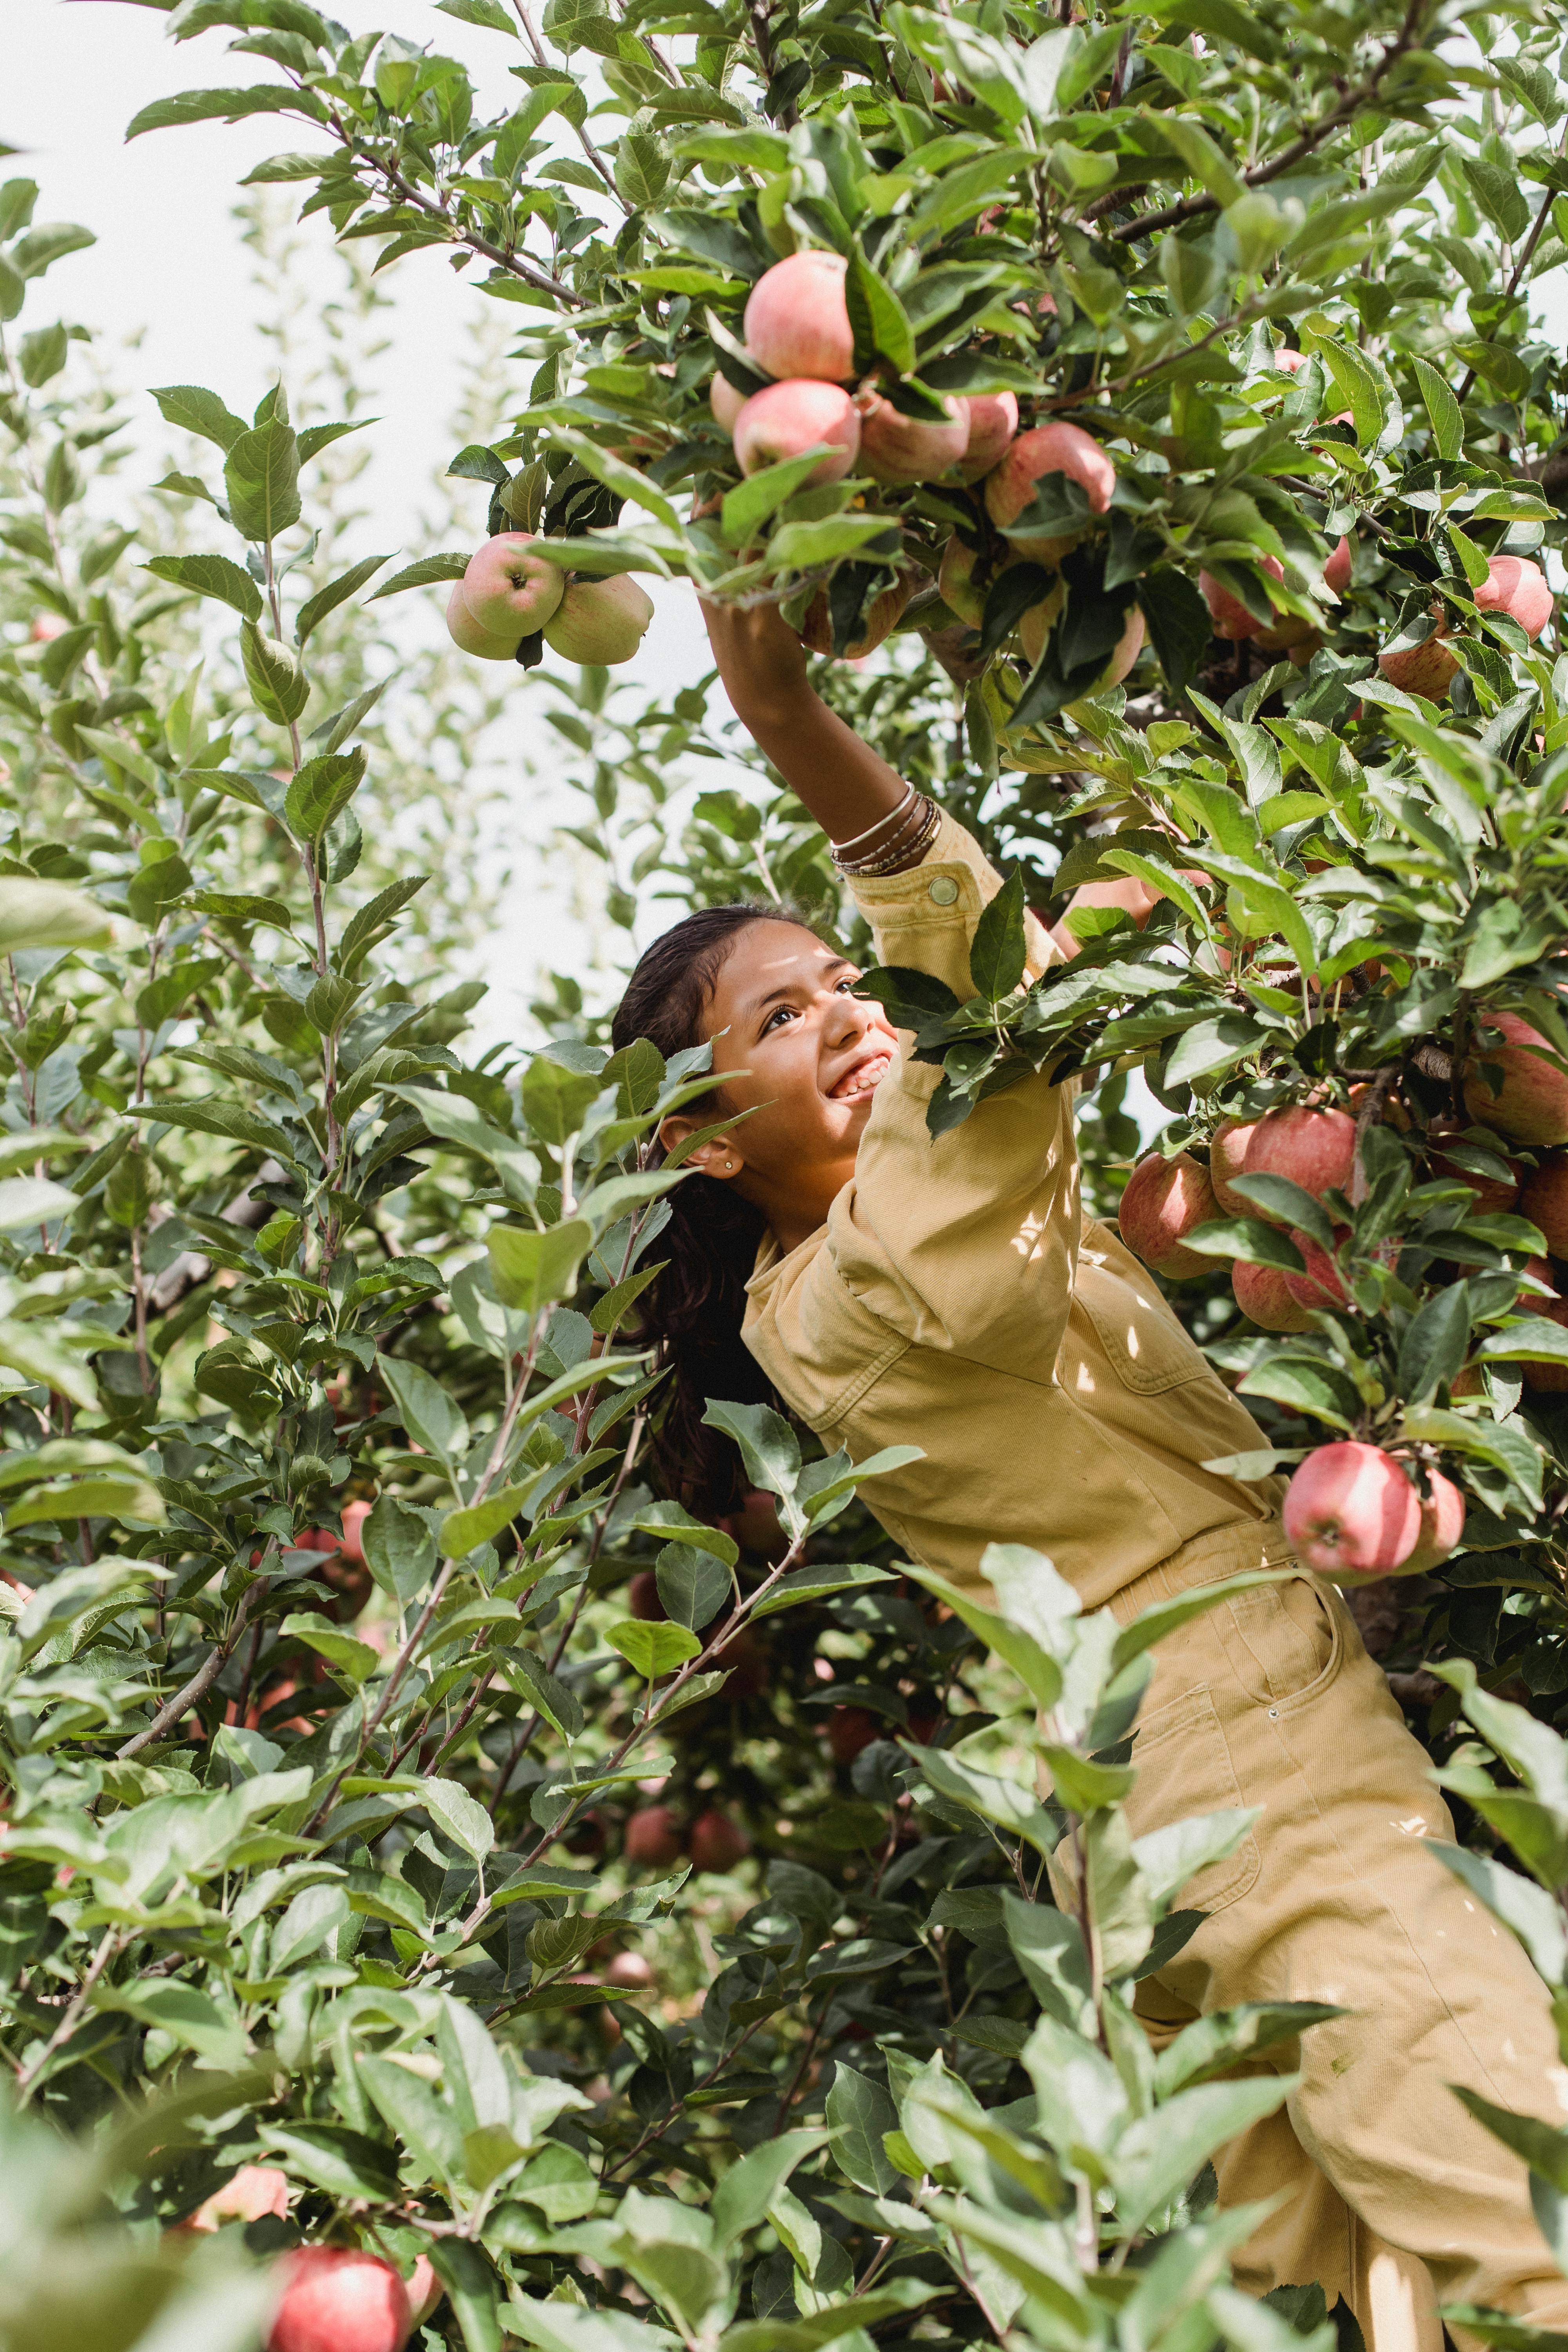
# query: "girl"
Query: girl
{"points": [[949, 1294]]}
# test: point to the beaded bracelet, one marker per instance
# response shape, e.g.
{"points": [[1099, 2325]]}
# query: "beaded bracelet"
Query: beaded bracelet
{"points": [[841, 848], [906, 849]]}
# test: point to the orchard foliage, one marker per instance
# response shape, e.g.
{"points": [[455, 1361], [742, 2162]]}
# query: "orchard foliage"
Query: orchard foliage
{"points": [[365, 1708]]}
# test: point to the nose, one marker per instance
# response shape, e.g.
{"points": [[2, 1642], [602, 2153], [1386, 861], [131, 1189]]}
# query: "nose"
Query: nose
{"points": [[847, 1018]]}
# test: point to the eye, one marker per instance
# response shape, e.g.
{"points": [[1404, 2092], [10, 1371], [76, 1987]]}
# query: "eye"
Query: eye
{"points": [[780, 1013], [848, 987]]}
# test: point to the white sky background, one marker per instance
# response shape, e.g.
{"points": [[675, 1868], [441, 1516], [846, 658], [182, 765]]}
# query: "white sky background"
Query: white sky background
{"points": [[169, 287]]}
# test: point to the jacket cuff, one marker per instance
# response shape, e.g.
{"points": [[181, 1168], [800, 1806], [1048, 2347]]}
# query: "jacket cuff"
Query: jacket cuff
{"points": [[925, 917]]}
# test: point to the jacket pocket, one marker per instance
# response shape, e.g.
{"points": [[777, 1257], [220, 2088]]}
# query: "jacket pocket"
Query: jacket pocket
{"points": [[1286, 1642], [1146, 1347], [1183, 1765]]}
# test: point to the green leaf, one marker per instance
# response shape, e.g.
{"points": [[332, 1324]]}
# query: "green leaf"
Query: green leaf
{"points": [[768, 1445], [211, 575], [279, 685], [1000, 951], [800, 546], [261, 476], [49, 915], [881, 324], [556, 1100], [321, 791], [531, 1270], [430, 1416], [223, 106], [748, 506], [1248, 1238], [804, 1585], [428, 572], [749, 2188], [182, 2012], [1435, 1344], [463, 1531], [859, 2116], [353, 1659], [459, 1816], [692, 1585], [653, 1649], [399, 1549], [332, 2157], [195, 410], [212, 1115], [314, 611]]}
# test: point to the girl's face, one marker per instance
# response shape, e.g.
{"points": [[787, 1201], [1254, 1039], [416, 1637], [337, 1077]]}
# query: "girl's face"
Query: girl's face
{"points": [[795, 1049]]}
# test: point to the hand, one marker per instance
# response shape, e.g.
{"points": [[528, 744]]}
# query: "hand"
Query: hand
{"points": [[760, 661]]}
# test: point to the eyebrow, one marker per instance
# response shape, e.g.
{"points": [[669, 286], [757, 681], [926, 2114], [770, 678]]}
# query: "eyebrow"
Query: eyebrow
{"points": [[756, 1005]]}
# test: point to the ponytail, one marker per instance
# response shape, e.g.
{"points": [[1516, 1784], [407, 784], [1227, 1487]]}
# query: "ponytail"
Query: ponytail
{"points": [[709, 1245]]}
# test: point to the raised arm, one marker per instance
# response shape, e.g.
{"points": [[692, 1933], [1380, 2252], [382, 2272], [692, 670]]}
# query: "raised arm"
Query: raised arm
{"points": [[843, 783]]}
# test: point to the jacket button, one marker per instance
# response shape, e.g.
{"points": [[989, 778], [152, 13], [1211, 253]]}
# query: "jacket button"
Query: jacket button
{"points": [[942, 889]]}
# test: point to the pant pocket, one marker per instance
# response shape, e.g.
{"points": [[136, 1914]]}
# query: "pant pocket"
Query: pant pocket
{"points": [[1284, 1640], [1183, 1765]]}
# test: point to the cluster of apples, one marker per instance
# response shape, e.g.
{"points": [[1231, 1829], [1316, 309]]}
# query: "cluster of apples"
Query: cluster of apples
{"points": [[1513, 585], [331, 2298], [1350, 1507], [656, 1839], [509, 592], [797, 332]]}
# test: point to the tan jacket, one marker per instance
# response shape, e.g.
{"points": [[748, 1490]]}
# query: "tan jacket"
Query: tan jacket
{"points": [[956, 1300]]}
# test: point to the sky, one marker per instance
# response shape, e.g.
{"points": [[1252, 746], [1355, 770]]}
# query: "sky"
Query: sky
{"points": [[169, 287]]}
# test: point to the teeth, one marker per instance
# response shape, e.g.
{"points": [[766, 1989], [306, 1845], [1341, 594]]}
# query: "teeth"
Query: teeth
{"points": [[863, 1080]]}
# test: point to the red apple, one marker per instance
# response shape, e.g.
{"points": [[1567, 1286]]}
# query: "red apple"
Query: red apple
{"points": [[424, 2290], [797, 322], [850, 1729], [815, 630], [1442, 1524], [717, 1842], [1263, 1295], [354, 1515], [1315, 1149], [1351, 1508], [1337, 570], [785, 420], [487, 645], [1321, 1284], [1228, 1147], [1048, 449], [255, 2190], [642, 1597], [1493, 1195], [899, 448], [1545, 1378], [993, 421], [1532, 1104], [509, 589], [600, 621], [725, 401], [1545, 1200], [339, 2299], [630, 1970], [955, 581], [1228, 613], [1515, 586], [1163, 1201], [1426, 669], [653, 1838]]}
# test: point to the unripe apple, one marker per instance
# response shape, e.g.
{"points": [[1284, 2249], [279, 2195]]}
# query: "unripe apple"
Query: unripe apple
{"points": [[1426, 669], [725, 401], [1228, 613], [1532, 1105], [956, 583], [993, 421], [785, 420], [507, 587], [1545, 1200], [653, 1838], [1315, 1149], [899, 448], [1263, 1295], [1040, 621], [1048, 449], [815, 630], [600, 621], [1288, 633], [1228, 1148], [424, 2290], [797, 322], [1518, 587], [1164, 1200], [717, 1842], [466, 632], [1350, 1508], [1442, 1525], [1319, 1285], [255, 2190], [339, 2299], [1337, 570]]}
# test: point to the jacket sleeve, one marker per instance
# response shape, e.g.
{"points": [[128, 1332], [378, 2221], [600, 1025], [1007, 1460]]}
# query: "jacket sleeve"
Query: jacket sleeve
{"points": [[968, 1240]]}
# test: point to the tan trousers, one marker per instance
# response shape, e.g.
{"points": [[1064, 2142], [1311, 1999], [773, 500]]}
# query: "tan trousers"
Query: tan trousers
{"points": [[1394, 2198]]}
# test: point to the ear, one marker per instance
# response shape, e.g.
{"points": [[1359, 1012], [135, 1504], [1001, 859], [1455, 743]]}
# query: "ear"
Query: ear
{"points": [[719, 1156]]}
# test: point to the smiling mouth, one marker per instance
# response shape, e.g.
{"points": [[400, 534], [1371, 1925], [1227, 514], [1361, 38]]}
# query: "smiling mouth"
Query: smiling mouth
{"points": [[862, 1079]]}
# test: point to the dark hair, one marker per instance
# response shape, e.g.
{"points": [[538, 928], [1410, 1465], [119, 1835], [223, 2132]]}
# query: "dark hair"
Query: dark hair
{"points": [[710, 1242]]}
